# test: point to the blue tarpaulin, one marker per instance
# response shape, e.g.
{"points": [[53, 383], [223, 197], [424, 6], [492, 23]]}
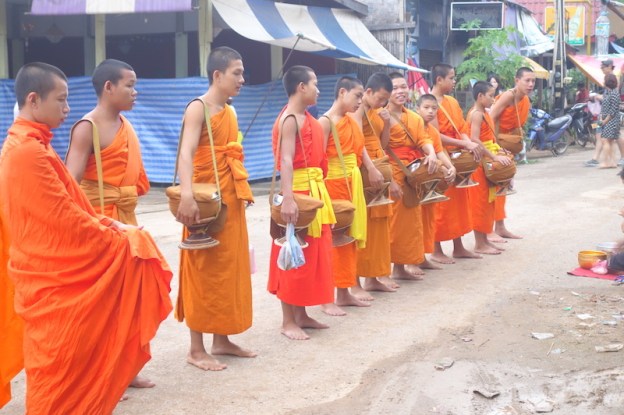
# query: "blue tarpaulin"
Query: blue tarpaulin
{"points": [[157, 116]]}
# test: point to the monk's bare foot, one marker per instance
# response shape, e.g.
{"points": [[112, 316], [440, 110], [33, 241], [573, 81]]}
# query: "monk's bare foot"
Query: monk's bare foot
{"points": [[372, 284], [232, 349], [141, 382], [349, 300], [487, 250], [496, 238], [464, 253], [426, 264], [493, 245], [204, 361], [124, 397], [308, 322], [441, 258], [504, 233], [389, 282], [361, 294], [294, 332], [332, 309], [402, 273]]}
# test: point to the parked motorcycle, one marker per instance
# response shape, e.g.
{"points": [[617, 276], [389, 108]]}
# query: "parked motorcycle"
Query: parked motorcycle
{"points": [[548, 133], [583, 126]]}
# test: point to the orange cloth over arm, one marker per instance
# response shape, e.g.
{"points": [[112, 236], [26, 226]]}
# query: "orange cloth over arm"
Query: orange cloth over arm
{"points": [[123, 173], [215, 284], [406, 230], [453, 216], [91, 297], [374, 260], [11, 325], [344, 258], [312, 283]]}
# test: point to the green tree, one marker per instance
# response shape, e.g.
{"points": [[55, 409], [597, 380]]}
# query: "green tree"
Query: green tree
{"points": [[489, 52]]}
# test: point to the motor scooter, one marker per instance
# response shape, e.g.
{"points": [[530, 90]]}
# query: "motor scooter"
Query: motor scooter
{"points": [[582, 128], [548, 133]]}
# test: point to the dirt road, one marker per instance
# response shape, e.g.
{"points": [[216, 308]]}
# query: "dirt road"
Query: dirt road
{"points": [[478, 314]]}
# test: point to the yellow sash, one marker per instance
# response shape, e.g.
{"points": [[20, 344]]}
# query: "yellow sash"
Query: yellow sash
{"points": [[335, 171], [311, 179], [124, 199], [493, 148]]}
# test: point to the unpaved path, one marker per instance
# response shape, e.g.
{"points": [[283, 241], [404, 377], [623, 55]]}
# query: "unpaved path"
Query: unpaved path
{"points": [[479, 313]]}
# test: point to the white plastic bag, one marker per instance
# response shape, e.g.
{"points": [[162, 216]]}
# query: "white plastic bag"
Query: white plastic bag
{"points": [[290, 254]]}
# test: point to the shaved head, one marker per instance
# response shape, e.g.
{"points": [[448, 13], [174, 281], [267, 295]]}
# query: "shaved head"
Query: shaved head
{"points": [[37, 77]]}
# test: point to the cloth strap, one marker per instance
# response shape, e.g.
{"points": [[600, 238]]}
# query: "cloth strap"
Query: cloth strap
{"points": [[310, 179], [493, 148]]}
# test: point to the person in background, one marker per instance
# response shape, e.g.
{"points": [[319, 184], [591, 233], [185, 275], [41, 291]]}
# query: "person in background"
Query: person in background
{"points": [[582, 94], [609, 121], [494, 80]]}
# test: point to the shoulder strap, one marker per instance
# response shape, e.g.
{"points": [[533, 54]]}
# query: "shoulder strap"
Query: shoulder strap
{"points": [[212, 149], [97, 153], [334, 132], [368, 120], [448, 117], [407, 132], [513, 91], [278, 151]]}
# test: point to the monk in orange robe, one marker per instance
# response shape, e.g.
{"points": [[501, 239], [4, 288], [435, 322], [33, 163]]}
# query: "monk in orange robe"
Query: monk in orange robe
{"points": [[408, 141], [483, 196], [511, 111], [374, 263], [345, 153], [215, 283], [90, 290], [302, 162], [123, 177], [452, 216], [427, 108]]}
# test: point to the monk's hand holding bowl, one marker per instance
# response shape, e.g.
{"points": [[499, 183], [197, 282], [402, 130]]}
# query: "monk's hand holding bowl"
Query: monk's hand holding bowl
{"points": [[475, 149], [395, 191], [123, 226], [505, 161], [451, 172], [188, 211], [376, 178], [431, 160], [289, 211]]}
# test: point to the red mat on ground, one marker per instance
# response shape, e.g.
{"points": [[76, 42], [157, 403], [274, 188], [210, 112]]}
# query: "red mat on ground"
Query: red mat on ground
{"points": [[581, 272]]}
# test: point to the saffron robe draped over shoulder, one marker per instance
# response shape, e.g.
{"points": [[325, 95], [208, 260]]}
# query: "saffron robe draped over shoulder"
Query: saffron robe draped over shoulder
{"points": [[406, 231], [374, 260], [124, 176], [91, 296], [215, 283], [481, 209], [507, 122], [344, 258], [453, 216], [312, 283]]}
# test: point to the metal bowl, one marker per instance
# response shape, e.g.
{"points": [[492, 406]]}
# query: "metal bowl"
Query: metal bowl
{"points": [[588, 259]]}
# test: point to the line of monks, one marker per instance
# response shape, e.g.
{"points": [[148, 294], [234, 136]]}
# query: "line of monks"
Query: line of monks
{"points": [[84, 289]]}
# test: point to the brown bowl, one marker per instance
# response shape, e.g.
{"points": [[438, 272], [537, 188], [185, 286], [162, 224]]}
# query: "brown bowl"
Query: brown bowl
{"points": [[588, 259]]}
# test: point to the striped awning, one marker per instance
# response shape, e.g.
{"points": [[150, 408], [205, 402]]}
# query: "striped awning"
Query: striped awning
{"points": [[55, 7], [336, 33]]}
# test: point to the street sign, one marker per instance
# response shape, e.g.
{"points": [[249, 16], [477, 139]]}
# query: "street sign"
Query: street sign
{"points": [[574, 24]]}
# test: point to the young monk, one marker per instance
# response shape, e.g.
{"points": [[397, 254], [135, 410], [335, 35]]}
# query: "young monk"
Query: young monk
{"points": [[427, 108], [91, 290], [408, 141], [374, 260], [302, 164], [482, 197], [215, 283], [348, 94], [511, 111], [124, 178], [452, 216]]}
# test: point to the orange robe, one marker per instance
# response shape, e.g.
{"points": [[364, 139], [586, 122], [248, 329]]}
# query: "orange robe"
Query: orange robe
{"points": [[452, 216], [507, 122], [344, 258], [312, 283], [11, 325], [91, 296], [406, 230], [123, 173], [428, 210], [215, 283], [374, 260], [481, 209]]}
